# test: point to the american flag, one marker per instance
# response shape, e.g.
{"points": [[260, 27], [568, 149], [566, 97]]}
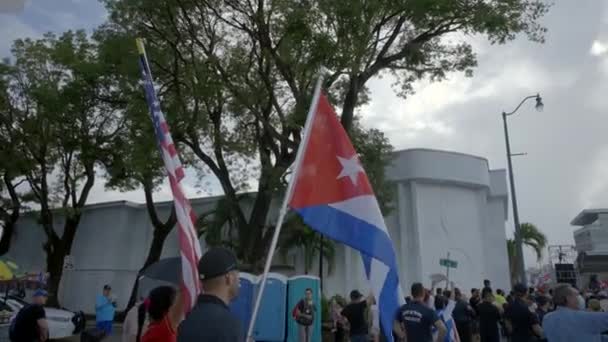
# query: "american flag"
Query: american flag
{"points": [[189, 246]]}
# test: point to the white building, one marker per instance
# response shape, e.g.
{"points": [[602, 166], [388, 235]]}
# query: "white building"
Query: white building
{"points": [[445, 202], [591, 244]]}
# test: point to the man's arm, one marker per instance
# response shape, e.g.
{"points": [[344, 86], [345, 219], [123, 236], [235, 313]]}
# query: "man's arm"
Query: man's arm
{"points": [[370, 299], [441, 330], [399, 330], [176, 311], [538, 331], [43, 328]]}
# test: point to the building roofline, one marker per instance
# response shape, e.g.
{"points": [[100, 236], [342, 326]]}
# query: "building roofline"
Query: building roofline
{"points": [[587, 216], [441, 151]]}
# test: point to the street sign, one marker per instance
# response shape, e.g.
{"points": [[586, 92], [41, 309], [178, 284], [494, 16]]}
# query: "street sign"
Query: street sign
{"points": [[448, 263]]}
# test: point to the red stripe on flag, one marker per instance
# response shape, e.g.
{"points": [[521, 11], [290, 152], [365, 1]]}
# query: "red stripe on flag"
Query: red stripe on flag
{"points": [[164, 127], [187, 250], [171, 150], [179, 173]]}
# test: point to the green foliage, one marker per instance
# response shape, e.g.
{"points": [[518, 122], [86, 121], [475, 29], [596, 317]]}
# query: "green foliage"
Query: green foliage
{"points": [[532, 237], [52, 113], [325, 309], [297, 235]]}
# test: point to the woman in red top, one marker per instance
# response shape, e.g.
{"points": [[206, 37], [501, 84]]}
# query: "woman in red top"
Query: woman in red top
{"points": [[165, 312]]}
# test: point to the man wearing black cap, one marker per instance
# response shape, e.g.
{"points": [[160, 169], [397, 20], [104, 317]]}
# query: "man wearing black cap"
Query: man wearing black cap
{"points": [[354, 313], [521, 322], [210, 319], [30, 324]]}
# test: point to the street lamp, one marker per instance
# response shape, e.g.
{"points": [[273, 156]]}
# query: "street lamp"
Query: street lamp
{"points": [[521, 270]]}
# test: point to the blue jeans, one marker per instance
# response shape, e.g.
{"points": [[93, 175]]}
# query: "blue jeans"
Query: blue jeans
{"points": [[105, 326], [358, 338]]}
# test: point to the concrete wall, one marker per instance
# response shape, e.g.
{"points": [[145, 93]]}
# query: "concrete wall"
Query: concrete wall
{"points": [[445, 202]]}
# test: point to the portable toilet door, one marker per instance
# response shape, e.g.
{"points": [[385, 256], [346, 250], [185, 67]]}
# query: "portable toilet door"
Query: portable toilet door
{"points": [[270, 322], [296, 288], [242, 305]]}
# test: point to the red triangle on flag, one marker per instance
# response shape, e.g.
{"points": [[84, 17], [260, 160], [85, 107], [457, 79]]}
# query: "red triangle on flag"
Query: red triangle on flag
{"points": [[330, 171]]}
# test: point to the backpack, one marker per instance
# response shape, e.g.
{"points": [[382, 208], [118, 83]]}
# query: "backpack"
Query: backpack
{"points": [[301, 307]]}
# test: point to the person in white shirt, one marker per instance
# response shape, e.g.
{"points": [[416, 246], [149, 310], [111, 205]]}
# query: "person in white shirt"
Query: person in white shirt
{"points": [[375, 320], [131, 326]]}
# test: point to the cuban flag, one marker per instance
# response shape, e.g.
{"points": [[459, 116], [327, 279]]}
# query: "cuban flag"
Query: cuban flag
{"points": [[446, 316], [334, 197]]}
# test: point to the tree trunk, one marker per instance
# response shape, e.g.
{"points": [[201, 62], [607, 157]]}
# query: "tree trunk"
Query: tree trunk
{"points": [[54, 265], [161, 231], [350, 102], [7, 235], [154, 253], [11, 219]]}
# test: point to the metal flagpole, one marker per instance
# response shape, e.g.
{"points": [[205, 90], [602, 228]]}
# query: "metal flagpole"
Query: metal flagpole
{"points": [[288, 193]]}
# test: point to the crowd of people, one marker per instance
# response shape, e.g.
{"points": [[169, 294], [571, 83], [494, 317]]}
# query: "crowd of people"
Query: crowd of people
{"points": [[429, 315], [524, 315]]}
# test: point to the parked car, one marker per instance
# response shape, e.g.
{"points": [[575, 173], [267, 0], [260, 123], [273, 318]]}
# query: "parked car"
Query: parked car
{"points": [[62, 323]]}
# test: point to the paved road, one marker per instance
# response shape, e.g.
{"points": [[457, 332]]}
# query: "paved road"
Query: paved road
{"points": [[115, 337]]}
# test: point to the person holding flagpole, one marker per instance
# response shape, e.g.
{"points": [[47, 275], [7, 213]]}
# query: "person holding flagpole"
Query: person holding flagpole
{"points": [[330, 190]]}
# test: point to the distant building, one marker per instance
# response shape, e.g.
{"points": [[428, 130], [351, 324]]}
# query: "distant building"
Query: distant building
{"points": [[591, 243], [444, 202]]}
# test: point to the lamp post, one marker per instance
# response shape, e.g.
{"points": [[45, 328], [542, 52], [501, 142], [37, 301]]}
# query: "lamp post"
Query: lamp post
{"points": [[521, 270]]}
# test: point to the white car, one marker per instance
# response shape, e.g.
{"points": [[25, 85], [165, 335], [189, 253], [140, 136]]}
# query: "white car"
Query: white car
{"points": [[62, 323]]}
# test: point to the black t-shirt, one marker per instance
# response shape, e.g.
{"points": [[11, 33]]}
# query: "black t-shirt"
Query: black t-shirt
{"points": [[210, 320], [355, 313], [474, 302], [25, 326], [418, 321], [461, 312], [489, 316], [308, 309], [522, 320]]}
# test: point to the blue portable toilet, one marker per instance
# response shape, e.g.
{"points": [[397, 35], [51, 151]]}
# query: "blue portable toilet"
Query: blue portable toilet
{"points": [[242, 305], [270, 322], [296, 286]]}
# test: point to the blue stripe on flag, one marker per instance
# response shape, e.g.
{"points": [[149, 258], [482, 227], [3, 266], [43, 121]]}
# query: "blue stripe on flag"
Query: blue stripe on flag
{"points": [[372, 242], [388, 302], [358, 234]]}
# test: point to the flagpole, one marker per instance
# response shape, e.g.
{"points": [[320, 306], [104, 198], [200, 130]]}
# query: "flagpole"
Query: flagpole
{"points": [[275, 237]]}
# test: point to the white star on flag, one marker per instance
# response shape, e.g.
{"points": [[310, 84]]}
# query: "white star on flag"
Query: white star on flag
{"points": [[350, 168]]}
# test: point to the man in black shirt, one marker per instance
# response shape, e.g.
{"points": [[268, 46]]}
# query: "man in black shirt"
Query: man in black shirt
{"points": [[210, 319], [520, 321], [354, 313], [30, 324], [417, 319], [463, 316], [489, 317]]}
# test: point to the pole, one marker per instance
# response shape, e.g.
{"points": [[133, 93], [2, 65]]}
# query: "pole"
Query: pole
{"points": [[520, 266], [321, 256], [286, 199], [447, 271]]}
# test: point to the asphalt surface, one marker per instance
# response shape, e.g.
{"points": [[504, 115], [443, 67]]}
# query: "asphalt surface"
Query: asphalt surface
{"points": [[115, 337]]}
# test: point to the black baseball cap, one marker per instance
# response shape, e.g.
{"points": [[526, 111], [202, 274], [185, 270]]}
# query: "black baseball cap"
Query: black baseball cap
{"points": [[216, 262], [355, 294], [107, 287]]}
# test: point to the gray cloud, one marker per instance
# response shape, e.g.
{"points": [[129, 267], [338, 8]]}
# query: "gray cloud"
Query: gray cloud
{"points": [[566, 144]]}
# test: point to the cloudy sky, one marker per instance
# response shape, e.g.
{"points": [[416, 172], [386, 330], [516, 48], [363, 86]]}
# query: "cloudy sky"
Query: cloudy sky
{"points": [[566, 168]]}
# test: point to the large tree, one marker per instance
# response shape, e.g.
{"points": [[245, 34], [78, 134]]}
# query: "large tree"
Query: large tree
{"points": [[237, 75], [56, 120]]}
